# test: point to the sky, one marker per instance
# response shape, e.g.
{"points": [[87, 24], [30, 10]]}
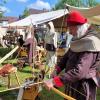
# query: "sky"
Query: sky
{"points": [[16, 7]]}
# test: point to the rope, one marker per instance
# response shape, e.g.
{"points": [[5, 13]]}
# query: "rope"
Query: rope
{"points": [[31, 84], [63, 21], [77, 91]]}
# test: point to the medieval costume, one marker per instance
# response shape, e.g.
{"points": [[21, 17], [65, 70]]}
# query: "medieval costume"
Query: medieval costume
{"points": [[20, 40], [80, 62], [31, 44], [50, 45]]}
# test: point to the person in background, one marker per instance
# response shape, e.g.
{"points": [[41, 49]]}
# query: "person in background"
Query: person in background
{"points": [[20, 40], [31, 44], [80, 62], [63, 39], [50, 41], [68, 40]]}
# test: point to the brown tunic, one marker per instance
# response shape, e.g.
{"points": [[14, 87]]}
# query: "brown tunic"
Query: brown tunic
{"points": [[80, 72]]}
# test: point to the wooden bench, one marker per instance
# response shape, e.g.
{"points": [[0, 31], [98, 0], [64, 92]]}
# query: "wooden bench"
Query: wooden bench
{"points": [[6, 71]]}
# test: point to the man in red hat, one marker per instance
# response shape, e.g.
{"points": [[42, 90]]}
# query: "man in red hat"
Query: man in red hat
{"points": [[80, 62]]}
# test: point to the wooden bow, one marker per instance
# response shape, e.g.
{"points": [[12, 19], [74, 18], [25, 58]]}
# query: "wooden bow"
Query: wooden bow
{"points": [[62, 94]]}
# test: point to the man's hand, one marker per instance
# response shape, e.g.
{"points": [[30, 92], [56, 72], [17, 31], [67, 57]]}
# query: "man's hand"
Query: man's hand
{"points": [[49, 84]]}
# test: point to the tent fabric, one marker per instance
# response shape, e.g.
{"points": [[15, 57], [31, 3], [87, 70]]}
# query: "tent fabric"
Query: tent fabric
{"points": [[92, 13], [94, 20], [87, 12], [40, 18]]}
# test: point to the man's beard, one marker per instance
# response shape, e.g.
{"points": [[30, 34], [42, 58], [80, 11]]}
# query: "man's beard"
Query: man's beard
{"points": [[81, 31]]}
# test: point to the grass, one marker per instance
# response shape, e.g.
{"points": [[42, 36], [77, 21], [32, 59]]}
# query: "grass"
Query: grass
{"points": [[12, 95], [44, 95], [22, 75], [26, 72], [98, 94]]}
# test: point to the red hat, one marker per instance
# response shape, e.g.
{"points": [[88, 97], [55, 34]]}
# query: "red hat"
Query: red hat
{"points": [[75, 18]]}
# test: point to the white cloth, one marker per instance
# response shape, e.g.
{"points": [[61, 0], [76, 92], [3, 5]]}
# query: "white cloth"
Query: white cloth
{"points": [[51, 35], [90, 42], [81, 31], [51, 59], [51, 38]]}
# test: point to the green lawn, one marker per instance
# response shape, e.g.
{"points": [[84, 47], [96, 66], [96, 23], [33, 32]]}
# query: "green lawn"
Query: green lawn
{"points": [[98, 94], [44, 95], [26, 72], [12, 95], [22, 75]]}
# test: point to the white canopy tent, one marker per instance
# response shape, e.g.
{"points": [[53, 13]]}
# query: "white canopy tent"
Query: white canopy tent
{"points": [[93, 15], [39, 18]]}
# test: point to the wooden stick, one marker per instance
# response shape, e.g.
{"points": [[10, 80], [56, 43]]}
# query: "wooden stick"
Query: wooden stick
{"points": [[17, 78], [54, 89], [10, 89], [62, 94], [8, 55]]}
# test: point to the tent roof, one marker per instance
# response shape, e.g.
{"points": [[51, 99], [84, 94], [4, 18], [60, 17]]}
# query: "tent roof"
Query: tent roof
{"points": [[92, 14], [40, 18]]}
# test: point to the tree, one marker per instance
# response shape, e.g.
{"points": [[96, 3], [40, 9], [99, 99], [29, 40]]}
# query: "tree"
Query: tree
{"points": [[2, 2], [76, 3], [25, 14], [1, 15], [90, 3]]}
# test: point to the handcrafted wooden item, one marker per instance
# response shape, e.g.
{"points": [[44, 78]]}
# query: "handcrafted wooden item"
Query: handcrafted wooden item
{"points": [[6, 71], [29, 91]]}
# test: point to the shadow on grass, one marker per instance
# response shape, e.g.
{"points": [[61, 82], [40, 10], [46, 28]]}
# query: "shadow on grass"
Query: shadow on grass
{"points": [[25, 71], [12, 95]]}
